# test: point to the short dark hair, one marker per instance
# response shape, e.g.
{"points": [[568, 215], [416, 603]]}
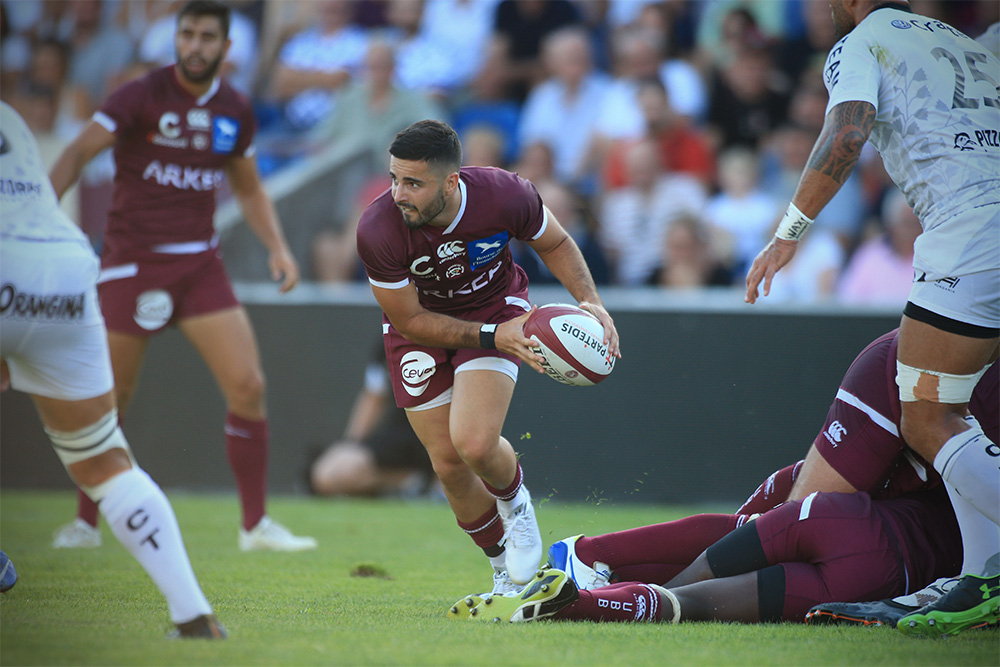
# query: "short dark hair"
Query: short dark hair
{"points": [[429, 141], [199, 8]]}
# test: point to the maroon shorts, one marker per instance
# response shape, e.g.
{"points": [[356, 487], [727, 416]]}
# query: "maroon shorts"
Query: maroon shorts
{"points": [[845, 547], [860, 438], [142, 297], [420, 373]]}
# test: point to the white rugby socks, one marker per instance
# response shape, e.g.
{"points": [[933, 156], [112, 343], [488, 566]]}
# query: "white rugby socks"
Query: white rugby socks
{"points": [[980, 537], [970, 463], [141, 517]]}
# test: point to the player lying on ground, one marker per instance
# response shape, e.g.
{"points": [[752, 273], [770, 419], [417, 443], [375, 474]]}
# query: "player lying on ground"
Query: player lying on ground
{"points": [[865, 518]]}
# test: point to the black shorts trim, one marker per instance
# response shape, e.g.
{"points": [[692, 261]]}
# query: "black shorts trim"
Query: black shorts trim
{"points": [[771, 594], [915, 312], [738, 552]]}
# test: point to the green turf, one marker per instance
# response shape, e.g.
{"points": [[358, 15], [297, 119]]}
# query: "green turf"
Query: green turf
{"points": [[97, 607]]}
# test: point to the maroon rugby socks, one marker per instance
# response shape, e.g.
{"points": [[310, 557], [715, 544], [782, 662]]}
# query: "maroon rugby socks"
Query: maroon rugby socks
{"points": [[246, 449]]}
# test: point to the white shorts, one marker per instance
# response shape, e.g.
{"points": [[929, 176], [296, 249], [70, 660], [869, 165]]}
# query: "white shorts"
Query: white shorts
{"points": [[973, 298], [52, 334]]}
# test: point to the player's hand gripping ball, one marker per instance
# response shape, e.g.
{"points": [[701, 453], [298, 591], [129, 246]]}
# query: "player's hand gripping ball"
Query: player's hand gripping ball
{"points": [[572, 342]]}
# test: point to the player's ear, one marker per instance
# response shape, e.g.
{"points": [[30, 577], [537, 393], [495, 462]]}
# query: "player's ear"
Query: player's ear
{"points": [[451, 182]]}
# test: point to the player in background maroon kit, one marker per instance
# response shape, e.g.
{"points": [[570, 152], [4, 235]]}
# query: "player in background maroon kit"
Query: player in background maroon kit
{"points": [[175, 133], [436, 250]]}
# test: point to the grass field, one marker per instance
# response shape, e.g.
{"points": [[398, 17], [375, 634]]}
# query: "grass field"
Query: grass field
{"points": [[97, 607]]}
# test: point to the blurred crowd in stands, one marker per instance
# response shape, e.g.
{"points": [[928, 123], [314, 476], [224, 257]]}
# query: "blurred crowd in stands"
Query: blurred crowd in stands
{"points": [[667, 136]]}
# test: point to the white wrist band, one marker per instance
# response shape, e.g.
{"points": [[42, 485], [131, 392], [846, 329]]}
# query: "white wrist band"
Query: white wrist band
{"points": [[793, 225]]}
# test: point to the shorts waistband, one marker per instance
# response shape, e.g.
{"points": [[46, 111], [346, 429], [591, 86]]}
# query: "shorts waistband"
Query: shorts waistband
{"points": [[187, 247]]}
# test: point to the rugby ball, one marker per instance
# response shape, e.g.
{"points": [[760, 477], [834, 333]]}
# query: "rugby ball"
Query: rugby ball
{"points": [[571, 341]]}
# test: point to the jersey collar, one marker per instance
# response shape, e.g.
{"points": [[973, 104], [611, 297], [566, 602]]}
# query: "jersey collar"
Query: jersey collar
{"points": [[461, 209], [216, 82]]}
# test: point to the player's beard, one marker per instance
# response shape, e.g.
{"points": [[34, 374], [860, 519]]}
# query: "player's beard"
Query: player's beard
{"points": [[207, 74], [431, 211]]}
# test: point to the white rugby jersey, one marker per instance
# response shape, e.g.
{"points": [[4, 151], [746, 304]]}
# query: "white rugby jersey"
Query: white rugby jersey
{"points": [[29, 209], [938, 116]]}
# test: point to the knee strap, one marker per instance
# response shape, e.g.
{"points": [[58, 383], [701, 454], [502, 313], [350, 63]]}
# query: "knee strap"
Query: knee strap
{"points": [[75, 446]]}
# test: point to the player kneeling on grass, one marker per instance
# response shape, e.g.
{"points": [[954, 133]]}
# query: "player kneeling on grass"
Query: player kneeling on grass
{"points": [[53, 346], [863, 517]]}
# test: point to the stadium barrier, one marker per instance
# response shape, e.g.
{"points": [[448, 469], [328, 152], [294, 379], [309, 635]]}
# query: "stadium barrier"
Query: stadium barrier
{"points": [[711, 396]]}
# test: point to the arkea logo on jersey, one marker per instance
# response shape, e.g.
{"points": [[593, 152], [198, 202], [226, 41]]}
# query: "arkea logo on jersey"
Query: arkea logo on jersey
{"points": [[835, 433], [484, 251], [224, 133], [182, 178]]}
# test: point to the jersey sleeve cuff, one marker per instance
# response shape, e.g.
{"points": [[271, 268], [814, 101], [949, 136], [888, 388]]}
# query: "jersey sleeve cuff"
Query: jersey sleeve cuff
{"points": [[387, 285], [105, 121]]}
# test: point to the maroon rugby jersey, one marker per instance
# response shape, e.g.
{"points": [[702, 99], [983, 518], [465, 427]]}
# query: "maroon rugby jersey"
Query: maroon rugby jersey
{"points": [[169, 152], [861, 440], [466, 266]]}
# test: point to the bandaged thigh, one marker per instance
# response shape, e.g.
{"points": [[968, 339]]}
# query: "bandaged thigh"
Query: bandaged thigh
{"points": [[916, 384]]}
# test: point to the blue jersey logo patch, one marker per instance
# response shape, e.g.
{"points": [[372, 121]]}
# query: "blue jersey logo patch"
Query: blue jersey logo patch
{"points": [[484, 251], [225, 130]]}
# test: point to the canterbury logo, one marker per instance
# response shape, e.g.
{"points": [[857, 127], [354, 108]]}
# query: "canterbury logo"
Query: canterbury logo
{"points": [[835, 433], [450, 249]]}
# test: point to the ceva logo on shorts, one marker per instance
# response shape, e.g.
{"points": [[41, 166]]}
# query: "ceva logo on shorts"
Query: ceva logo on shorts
{"points": [[416, 368], [153, 309]]}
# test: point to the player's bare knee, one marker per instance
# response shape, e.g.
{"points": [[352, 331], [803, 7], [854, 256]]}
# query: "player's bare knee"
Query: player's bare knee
{"points": [[246, 395], [453, 474], [476, 451]]}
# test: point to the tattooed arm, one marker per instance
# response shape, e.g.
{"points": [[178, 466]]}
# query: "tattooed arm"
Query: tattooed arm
{"points": [[837, 150]]}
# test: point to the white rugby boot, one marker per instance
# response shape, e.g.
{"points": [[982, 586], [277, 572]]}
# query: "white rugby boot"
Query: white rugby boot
{"points": [[77, 535], [269, 535], [522, 540]]}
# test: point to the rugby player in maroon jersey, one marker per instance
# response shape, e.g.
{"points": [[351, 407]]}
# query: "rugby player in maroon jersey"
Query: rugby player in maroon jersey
{"points": [[436, 250], [176, 133]]}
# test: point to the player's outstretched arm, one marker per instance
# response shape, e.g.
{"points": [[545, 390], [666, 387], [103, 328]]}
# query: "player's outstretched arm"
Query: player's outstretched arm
{"points": [[93, 139], [563, 258], [833, 158], [263, 219]]}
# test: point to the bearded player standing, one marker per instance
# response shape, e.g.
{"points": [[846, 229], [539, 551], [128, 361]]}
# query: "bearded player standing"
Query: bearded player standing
{"points": [[926, 96], [175, 133]]}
